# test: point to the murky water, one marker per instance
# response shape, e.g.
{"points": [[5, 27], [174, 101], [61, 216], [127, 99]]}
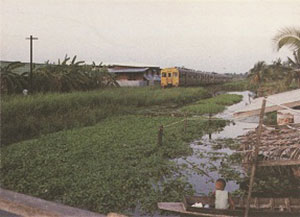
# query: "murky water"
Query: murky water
{"points": [[204, 147]]}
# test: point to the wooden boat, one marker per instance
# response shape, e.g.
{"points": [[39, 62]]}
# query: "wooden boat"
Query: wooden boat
{"points": [[259, 207]]}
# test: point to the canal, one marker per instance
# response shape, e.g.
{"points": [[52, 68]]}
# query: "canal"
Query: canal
{"points": [[210, 152]]}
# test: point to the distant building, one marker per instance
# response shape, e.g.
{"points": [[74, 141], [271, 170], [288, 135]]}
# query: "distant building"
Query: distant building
{"points": [[134, 76]]}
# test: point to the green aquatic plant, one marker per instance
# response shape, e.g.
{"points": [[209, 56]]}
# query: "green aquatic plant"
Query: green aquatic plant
{"points": [[212, 105]]}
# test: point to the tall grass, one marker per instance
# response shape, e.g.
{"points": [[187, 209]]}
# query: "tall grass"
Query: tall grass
{"points": [[25, 117]]}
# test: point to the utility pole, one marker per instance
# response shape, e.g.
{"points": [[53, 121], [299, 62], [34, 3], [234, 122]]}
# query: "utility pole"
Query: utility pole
{"points": [[31, 38]]}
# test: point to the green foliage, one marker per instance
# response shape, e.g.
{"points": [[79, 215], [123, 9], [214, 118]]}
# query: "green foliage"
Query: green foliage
{"points": [[279, 76], [240, 85], [258, 73], [268, 182], [12, 82], [25, 117], [271, 118], [61, 77], [73, 76], [276, 77], [288, 37], [274, 183], [111, 166], [212, 105]]}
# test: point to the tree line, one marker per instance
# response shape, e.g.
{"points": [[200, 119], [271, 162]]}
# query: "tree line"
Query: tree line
{"points": [[70, 75], [65, 76], [279, 75]]}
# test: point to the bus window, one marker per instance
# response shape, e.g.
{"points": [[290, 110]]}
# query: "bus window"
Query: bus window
{"points": [[164, 75], [175, 74], [169, 74]]}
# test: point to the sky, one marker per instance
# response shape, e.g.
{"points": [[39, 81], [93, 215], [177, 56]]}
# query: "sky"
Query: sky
{"points": [[220, 36]]}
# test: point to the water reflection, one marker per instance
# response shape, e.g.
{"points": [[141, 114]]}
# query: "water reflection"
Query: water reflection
{"points": [[207, 158]]}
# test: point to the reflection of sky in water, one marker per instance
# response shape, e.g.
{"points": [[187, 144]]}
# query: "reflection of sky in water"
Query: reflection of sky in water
{"points": [[201, 183]]}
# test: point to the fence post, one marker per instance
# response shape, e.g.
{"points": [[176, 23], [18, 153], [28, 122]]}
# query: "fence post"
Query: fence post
{"points": [[255, 158], [160, 135]]}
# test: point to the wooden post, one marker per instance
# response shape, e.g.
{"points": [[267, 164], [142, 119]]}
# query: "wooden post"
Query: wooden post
{"points": [[254, 164], [209, 124], [160, 135]]}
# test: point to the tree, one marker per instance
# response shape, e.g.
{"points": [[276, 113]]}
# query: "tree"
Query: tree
{"points": [[66, 76], [290, 37], [70, 75], [258, 72], [295, 66], [12, 82]]}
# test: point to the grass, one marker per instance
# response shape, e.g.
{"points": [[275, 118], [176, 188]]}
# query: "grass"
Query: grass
{"points": [[39, 114], [212, 105], [111, 166], [240, 85]]}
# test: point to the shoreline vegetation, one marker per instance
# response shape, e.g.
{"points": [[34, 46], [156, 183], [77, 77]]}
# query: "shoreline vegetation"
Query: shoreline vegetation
{"points": [[35, 115], [98, 150]]}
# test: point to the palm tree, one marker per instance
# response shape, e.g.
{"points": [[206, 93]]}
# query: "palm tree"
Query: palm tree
{"points": [[258, 72], [258, 75], [295, 66], [290, 37]]}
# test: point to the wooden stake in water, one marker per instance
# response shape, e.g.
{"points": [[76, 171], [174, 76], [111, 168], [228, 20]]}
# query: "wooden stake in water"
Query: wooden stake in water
{"points": [[254, 164]]}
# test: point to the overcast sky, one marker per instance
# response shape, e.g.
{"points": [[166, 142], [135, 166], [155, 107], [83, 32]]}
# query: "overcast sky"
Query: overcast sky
{"points": [[221, 36]]}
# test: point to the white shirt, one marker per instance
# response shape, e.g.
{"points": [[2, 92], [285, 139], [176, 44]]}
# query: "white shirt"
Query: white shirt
{"points": [[221, 201]]}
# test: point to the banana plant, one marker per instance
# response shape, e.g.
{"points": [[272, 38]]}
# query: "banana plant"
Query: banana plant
{"points": [[12, 82]]}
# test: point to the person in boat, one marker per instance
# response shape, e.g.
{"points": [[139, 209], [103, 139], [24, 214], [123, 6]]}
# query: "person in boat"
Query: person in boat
{"points": [[222, 197]]}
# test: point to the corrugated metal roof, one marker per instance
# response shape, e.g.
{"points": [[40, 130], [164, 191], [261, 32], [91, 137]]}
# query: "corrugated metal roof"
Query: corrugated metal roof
{"points": [[128, 70], [132, 65]]}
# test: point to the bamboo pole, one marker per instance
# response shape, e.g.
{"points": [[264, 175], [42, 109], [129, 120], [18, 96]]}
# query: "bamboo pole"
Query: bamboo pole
{"points": [[254, 164]]}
